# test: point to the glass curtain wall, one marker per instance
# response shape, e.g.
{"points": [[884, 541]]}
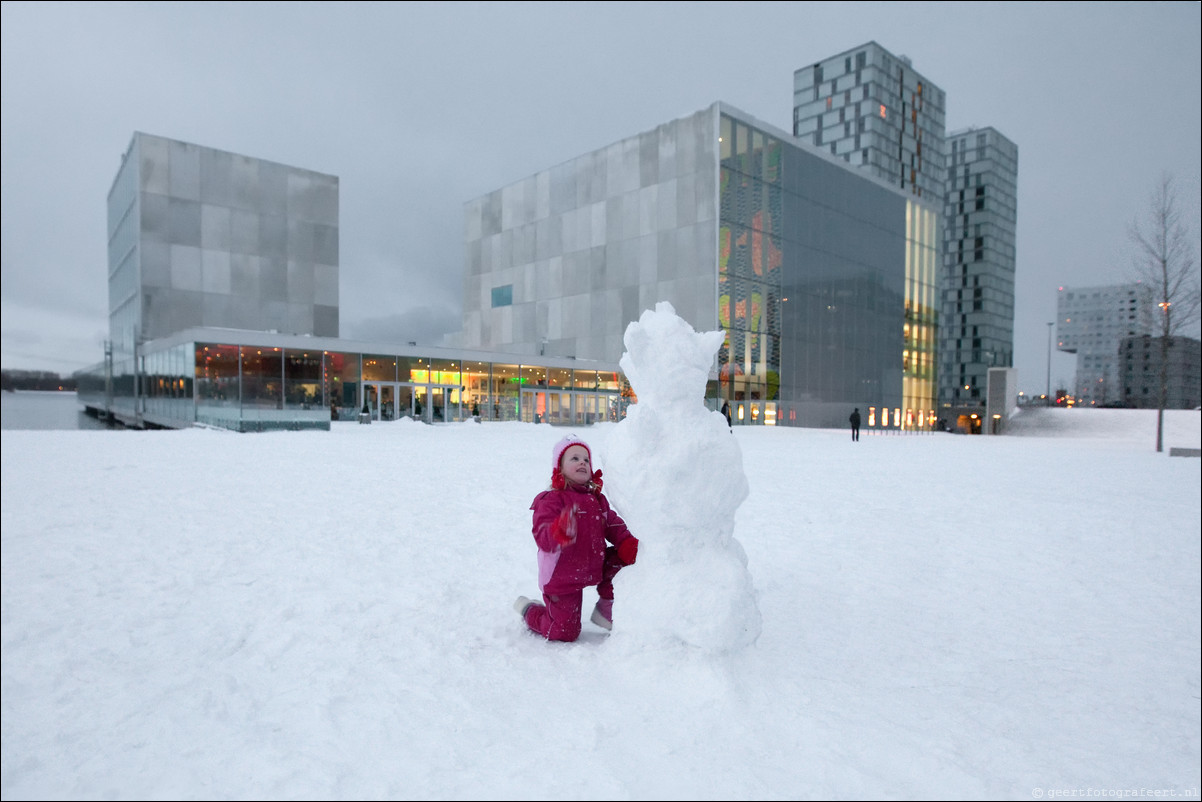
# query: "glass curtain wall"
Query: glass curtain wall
{"points": [[532, 405], [258, 388], [262, 386], [850, 257], [304, 390], [504, 395], [445, 390], [167, 386], [218, 385], [476, 391], [340, 377], [750, 255], [919, 385]]}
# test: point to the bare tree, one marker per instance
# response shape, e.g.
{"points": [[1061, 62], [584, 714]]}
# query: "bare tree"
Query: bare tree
{"points": [[1165, 263]]}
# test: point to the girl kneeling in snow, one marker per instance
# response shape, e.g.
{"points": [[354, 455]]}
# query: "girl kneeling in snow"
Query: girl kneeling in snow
{"points": [[572, 522]]}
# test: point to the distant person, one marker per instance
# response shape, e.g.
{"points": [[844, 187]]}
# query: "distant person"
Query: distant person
{"points": [[333, 410], [573, 526], [726, 414], [854, 420]]}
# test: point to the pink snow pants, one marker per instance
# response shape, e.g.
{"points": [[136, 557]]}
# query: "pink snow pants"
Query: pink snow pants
{"points": [[558, 617]]}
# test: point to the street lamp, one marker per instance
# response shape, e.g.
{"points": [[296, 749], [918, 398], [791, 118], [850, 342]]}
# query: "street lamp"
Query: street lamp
{"points": [[1048, 396]]}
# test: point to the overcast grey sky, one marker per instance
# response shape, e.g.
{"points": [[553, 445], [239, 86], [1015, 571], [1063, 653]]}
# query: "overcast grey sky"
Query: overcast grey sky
{"points": [[420, 107]]}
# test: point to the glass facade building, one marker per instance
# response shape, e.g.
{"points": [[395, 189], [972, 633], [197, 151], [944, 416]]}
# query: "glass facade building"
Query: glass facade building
{"points": [[1092, 322], [980, 216], [823, 277], [871, 109]]}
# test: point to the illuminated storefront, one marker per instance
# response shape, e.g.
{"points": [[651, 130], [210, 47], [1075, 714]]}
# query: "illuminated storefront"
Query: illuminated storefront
{"points": [[265, 381]]}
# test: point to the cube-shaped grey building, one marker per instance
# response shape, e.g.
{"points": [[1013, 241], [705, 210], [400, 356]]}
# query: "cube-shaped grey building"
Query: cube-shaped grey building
{"points": [[822, 276], [200, 237]]}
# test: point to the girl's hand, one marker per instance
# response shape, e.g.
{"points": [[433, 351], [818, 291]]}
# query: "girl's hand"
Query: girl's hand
{"points": [[628, 549], [563, 529]]}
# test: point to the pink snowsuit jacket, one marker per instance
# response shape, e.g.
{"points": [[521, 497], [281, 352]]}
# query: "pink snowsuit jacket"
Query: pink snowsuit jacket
{"points": [[577, 565]]}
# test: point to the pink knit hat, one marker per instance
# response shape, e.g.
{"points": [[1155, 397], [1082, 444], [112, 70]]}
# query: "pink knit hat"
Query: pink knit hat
{"points": [[563, 445]]}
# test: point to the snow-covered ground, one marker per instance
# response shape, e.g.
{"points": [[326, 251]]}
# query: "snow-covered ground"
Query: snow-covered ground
{"points": [[328, 615]]}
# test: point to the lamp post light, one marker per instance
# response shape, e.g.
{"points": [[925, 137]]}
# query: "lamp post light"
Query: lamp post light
{"points": [[1048, 396]]}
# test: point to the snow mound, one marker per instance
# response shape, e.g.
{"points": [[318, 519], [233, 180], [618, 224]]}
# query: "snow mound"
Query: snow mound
{"points": [[1182, 427]]}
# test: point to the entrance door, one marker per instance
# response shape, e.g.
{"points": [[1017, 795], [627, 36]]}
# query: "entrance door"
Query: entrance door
{"points": [[379, 397], [421, 403], [533, 406], [388, 402], [452, 410], [404, 401], [433, 403], [586, 409], [438, 405], [561, 407], [371, 397]]}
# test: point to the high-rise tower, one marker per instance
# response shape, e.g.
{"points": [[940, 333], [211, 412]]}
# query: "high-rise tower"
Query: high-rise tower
{"points": [[980, 212], [875, 111]]}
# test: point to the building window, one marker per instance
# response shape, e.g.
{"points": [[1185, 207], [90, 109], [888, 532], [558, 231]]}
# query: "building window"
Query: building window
{"points": [[502, 296]]}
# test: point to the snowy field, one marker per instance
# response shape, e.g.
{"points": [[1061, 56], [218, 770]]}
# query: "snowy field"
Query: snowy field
{"points": [[327, 615]]}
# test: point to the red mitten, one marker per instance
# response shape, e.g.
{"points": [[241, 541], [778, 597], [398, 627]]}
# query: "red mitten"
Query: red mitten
{"points": [[596, 479], [563, 529], [628, 549]]}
